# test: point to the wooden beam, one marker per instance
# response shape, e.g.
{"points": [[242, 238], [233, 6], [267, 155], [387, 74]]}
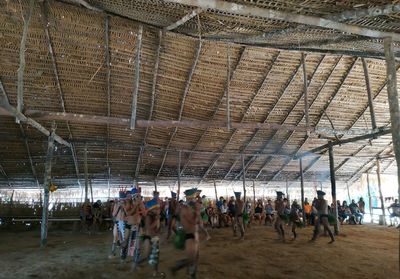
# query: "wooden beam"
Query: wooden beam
{"points": [[369, 93], [378, 173], [3, 172], [185, 93], [241, 52], [333, 188], [301, 189], [179, 175], [393, 98], [215, 190], [108, 82], [366, 12], [305, 91], [244, 180], [21, 68], [227, 89], [45, 23], [270, 14], [86, 172], [12, 111], [137, 77], [28, 151], [183, 20], [46, 187], [369, 199], [153, 97], [247, 111]]}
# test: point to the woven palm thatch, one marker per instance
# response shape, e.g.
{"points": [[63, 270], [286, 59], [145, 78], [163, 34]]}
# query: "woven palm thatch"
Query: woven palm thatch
{"points": [[184, 78]]}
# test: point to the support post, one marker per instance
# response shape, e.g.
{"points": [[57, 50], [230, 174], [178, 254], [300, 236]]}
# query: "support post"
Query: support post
{"points": [[370, 98], [215, 189], [244, 179], [91, 189], [137, 78], [333, 188], [378, 173], [254, 195], [179, 175], [86, 174], [155, 185], [287, 189], [303, 62], [46, 186], [348, 192], [393, 102], [302, 189], [369, 198]]}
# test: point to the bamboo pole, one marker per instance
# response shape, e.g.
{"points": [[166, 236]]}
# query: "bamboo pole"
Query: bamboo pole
{"points": [[155, 185], [244, 180], [228, 85], [305, 85], [137, 77], [369, 198], [378, 173], [86, 173], [254, 195], [393, 98], [91, 189], [302, 189], [46, 186], [333, 188], [179, 175], [215, 189], [369, 93], [348, 192]]}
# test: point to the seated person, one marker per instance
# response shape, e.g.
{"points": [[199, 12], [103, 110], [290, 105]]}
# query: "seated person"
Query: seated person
{"points": [[307, 211], [269, 212], [395, 208], [355, 211], [259, 212]]}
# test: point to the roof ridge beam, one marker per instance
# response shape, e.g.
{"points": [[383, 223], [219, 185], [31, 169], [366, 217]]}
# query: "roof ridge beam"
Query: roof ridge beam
{"points": [[270, 14]]}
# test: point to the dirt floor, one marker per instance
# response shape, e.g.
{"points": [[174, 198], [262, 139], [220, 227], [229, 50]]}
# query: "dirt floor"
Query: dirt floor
{"points": [[361, 252]]}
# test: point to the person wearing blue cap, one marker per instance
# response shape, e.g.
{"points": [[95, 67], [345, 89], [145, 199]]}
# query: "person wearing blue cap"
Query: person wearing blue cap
{"points": [[321, 206], [280, 213], [238, 217], [134, 209], [190, 219]]}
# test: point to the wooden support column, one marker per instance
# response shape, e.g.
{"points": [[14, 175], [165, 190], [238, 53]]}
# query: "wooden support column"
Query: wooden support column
{"points": [[86, 173], [369, 92], [137, 77], [254, 195], [393, 98], [179, 175], [155, 185], [21, 69], [215, 189], [348, 192], [333, 188], [46, 186], [378, 173], [228, 85], [91, 189], [369, 198], [244, 179], [303, 62], [302, 189], [287, 189]]}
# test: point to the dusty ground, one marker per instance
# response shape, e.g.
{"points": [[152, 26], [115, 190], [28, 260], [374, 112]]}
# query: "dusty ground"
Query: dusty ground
{"points": [[361, 252]]}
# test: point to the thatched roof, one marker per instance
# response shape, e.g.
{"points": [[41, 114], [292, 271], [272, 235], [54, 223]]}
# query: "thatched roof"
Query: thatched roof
{"points": [[187, 79]]}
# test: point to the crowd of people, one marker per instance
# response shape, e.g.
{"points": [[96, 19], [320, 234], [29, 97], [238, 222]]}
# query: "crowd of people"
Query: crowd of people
{"points": [[138, 223]]}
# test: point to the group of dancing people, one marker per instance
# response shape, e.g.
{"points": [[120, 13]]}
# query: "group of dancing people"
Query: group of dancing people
{"points": [[137, 223]]}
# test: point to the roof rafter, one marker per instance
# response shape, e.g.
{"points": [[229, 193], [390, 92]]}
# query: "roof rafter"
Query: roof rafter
{"points": [[185, 92], [255, 94], [251, 160], [270, 14], [45, 23], [153, 97]]}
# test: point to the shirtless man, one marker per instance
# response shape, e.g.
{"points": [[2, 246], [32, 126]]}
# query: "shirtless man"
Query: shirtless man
{"points": [[118, 216], [280, 211], [321, 209], [172, 207], [189, 214], [294, 217], [238, 216], [134, 209], [151, 240]]}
